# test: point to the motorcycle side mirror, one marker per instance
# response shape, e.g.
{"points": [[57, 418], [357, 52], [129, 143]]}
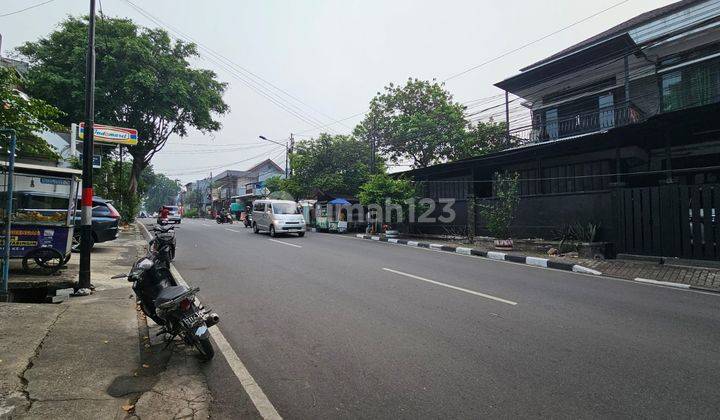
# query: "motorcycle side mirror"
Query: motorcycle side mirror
{"points": [[119, 276]]}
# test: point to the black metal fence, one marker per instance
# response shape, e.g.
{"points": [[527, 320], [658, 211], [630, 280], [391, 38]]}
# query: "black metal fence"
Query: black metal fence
{"points": [[670, 220]]}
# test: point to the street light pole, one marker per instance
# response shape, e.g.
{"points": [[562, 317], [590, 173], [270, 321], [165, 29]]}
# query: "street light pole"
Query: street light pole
{"points": [[88, 140], [287, 152]]}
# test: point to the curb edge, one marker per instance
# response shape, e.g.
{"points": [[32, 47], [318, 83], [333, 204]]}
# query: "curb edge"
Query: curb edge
{"points": [[493, 255]]}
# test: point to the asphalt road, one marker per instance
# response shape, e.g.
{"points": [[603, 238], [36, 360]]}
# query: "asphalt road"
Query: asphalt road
{"points": [[332, 326]]}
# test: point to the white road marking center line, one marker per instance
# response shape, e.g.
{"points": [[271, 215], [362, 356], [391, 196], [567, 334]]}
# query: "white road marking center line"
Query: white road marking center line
{"points": [[472, 292], [284, 243]]}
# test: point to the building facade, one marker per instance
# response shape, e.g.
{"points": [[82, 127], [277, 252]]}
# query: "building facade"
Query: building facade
{"points": [[620, 130]]}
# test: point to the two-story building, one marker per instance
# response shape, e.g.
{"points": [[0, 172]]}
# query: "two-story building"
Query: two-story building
{"points": [[234, 186], [621, 130]]}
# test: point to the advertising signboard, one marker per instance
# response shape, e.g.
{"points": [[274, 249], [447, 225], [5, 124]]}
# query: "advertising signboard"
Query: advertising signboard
{"points": [[109, 134], [23, 239]]}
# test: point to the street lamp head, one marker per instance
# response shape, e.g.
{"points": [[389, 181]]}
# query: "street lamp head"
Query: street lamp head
{"points": [[263, 137]]}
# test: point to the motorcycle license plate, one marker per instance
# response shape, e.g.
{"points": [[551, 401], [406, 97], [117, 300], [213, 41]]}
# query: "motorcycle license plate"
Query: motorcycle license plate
{"points": [[191, 320]]}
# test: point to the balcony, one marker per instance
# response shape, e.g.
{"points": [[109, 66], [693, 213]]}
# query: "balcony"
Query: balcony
{"points": [[579, 123]]}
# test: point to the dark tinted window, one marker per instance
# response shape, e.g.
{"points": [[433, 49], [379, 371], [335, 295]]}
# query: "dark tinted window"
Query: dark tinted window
{"points": [[100, 210], [43, 202]]}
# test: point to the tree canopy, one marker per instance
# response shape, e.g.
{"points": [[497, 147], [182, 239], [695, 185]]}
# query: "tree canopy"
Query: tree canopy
{"points": [[418, 122], [480, 139], [382, 189], [162, 191], [143, 81], [330, 163], [27, 116]]}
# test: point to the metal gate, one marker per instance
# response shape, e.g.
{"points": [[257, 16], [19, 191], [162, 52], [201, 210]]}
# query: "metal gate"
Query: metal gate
{"points": [[670, 220]]}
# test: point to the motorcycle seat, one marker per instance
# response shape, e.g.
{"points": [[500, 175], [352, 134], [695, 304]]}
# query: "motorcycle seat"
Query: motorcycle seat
{"points": [[169, 293]]}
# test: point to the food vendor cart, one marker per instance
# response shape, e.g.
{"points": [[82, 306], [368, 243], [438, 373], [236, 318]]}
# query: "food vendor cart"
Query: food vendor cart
{"points": [[332, 215], [43, 214]]}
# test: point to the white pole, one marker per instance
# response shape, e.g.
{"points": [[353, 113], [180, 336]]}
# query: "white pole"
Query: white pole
{"points": [[73, 138]]}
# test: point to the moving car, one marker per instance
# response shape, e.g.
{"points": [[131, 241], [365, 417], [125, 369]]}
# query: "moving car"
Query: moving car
{"points": [[277, 216], [174, 215]]}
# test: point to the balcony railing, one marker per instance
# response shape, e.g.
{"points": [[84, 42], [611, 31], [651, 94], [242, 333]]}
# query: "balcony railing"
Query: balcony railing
{"points": [[581, 122]]}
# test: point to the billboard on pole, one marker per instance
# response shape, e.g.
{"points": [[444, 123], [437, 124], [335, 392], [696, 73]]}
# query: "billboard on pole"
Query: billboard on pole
{"points": [[109, 134]]}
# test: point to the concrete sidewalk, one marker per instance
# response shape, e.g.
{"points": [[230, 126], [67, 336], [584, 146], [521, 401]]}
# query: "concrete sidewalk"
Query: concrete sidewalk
{"points": [[91, 357]]}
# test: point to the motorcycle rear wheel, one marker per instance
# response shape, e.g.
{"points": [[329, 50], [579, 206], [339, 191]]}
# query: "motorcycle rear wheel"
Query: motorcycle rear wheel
{"points": [[205, 347]]}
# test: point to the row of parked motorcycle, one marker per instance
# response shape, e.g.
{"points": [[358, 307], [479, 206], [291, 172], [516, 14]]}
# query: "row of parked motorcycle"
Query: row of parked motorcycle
{"points": [[175, 308]]}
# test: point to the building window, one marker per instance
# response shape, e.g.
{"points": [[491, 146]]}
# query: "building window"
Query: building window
{"points": [[691, 86], [607, 111], [551, 123], [672, 91]]}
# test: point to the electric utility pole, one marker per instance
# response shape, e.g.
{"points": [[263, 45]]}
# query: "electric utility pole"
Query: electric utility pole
{"points": [[288, 152], [88, 137]]}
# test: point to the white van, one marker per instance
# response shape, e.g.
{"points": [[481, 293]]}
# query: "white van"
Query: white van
{"points": [[277, 216]]}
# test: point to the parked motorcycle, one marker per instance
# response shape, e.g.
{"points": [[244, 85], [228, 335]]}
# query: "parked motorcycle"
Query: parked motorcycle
{"points": [[164, 243], [223, 218], [173, 307]]}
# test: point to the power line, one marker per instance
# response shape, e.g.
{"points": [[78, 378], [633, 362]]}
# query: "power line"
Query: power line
{"points": [[190, 171], [711, 9], [533, 42], [516, 49], [234, 65], [27, 8]]}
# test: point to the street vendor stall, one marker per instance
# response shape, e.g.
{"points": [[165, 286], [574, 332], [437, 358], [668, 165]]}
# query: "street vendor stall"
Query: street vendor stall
{"points": [[44, 199], [337, 214]]}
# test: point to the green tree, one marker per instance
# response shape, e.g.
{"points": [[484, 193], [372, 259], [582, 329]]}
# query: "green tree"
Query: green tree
{"points": [[337, 164], [382, 188], [418, 122], [275, 183], [27, 116], [499, 213], [109, 181], [480, 139], [143, 81], [193, 200], [161, 191]]}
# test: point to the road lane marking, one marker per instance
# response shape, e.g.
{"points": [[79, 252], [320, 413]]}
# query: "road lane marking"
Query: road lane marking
{"points": [[450, 286], [284, 243], [538, 267], [232, 230], [256, 394]]}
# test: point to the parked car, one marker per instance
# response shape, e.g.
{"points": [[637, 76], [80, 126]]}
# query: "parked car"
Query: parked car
{"points": [[277, 216], [105, 223], [105, 218]]}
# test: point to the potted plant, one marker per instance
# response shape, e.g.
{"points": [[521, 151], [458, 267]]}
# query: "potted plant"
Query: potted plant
{"points": [[588, 246], [499, 213]]}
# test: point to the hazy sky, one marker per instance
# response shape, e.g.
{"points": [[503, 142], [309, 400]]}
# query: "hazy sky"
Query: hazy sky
{"points": [[333, 56]]}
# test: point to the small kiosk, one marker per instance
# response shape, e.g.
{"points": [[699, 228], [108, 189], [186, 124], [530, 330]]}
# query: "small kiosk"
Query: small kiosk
{"points": [[333, 213], [43, 214]]}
